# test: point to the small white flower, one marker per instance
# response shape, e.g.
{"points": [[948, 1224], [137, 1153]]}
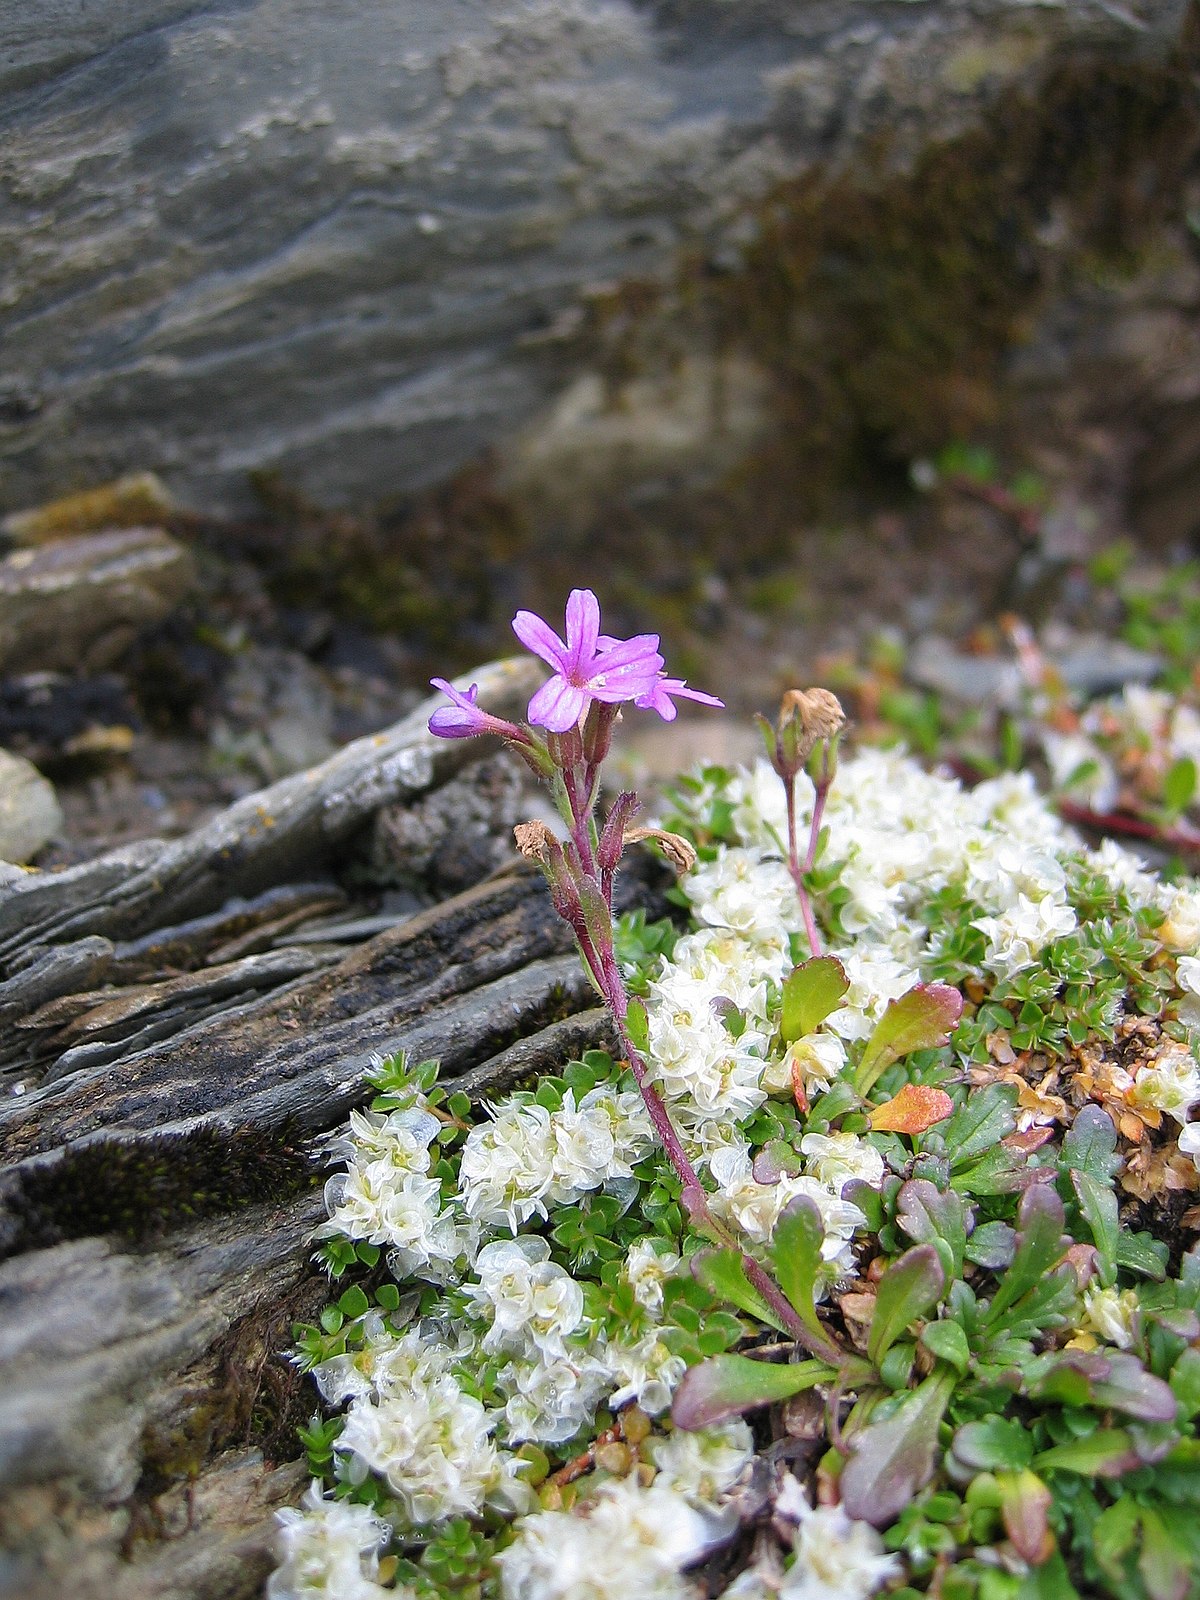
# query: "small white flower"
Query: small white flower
{"points": [[837, 1558], [1113, 1314], [550, 1401], [705, 1464], [820, 1057], [756, 1207], [645, 1370], [835, 1159], [625, 1542], [1180, 927], [1018, 936], [532, 1303], [1189, 1142], [1170, 1082], [646, 1269], [329, 1550]]}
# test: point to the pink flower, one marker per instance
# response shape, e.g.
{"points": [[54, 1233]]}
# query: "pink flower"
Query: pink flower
{"points": [[464, 719], [584, 669], [658, 698]]}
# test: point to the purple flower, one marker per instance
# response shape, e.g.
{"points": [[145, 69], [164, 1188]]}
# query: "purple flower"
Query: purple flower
{"points": [[464, 719], [658, 698], [584, 669]]}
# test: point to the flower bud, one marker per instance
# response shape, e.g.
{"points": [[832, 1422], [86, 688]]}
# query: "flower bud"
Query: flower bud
{"points": [[818, 713]]}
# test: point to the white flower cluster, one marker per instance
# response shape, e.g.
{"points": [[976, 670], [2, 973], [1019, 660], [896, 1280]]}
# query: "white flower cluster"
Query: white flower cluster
{"points": [[329, 1550], [626, 1542], [527, 1159], [386, 1196], [411, 1422], [1086, 763]]}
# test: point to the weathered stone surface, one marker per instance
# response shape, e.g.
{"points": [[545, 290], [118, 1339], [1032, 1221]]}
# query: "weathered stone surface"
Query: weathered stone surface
{"points": [[29, 810], [284, 831], [178, 1083], [353, 245], [79, 603]]}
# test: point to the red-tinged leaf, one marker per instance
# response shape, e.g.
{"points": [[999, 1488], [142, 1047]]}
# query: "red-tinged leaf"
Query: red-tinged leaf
{"points": [[727, 1385], [922, 1019], [914, 1109], [1024, 1505], [909, 1288], [810, 992], [891, 1460]]}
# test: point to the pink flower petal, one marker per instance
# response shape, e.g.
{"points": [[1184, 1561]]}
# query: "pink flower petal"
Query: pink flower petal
{"points": [[583, 630], [541, 638], [558, 705]]}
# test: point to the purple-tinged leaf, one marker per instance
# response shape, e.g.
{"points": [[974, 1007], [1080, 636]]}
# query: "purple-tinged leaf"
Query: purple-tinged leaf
{"points": [[1040, 1245], [1024, 1506], [909, 1288], [929, 1215], [891, 1460], [1181, 1321], [1113, 1379], [1164, 1561], [774, 1159], [1133, 1390], [810, 993], [922, 1019], [727, 1385], [1107, 1453]]}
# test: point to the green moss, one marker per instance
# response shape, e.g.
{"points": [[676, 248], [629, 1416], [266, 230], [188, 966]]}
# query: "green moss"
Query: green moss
{"points": [[140, 1188], [883, 302]]}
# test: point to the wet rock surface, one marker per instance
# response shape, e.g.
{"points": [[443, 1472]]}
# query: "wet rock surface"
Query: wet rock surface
{"points": [[181, 1022]]}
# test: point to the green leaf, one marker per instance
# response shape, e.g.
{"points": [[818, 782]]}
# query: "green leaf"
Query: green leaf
{"points": [[992, 1246], [354, 1303], [722, 1274], [1113, 1536], [728, 1385], [1139, 1252], [980, 1124], [637, 1026], [1040, 1246], [922, 1019], [937, 1217], [890, 1460], [907, 1289], [1164, 1564], [1179, 785], [1025, 1505], [796, 1256], [1107, 1453], [948, 1342], [1098, 1204], [1185, 1384], [810, 993], [993, 1445], [1090, 1144]]}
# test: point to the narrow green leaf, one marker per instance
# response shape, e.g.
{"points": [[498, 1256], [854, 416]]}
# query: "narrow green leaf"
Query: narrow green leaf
{"points": [[1164, 1563], [993, 1445], [922, 1019], [1142, 1253], [722, 1274], [810, 993], [1040, 1219], [1185, 1384], [1099, 1207], [728, 1385], [1106, 1453], [906, 1290], [796, 1256], [637, 1025]]}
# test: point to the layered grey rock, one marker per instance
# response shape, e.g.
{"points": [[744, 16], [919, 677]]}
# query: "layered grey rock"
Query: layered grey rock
{"points": [[352, 243]]}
